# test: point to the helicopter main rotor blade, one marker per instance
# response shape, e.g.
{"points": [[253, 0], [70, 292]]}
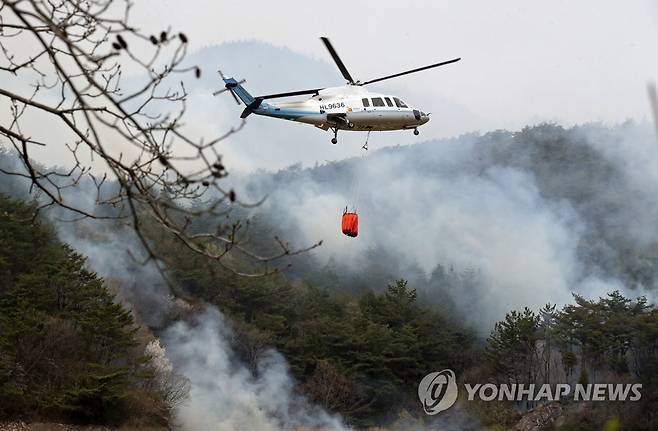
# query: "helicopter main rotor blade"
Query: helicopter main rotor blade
{"points": [[289, 94], [443, 63], [337, 59]]}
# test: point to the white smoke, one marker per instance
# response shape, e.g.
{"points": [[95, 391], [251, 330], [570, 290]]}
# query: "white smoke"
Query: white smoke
{"points": [[447, 203], [224, 394], [438, 204], [113, 252]]}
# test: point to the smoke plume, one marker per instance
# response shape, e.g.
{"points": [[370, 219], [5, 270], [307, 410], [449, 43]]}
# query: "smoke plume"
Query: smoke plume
{"points": [[495, 222]]}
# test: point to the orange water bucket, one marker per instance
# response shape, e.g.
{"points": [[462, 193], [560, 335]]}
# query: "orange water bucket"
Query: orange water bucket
{"points": [[350, 224]]}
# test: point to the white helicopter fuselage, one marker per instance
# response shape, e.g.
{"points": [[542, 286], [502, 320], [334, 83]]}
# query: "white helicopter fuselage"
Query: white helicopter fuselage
{"points": [[349, 107]]}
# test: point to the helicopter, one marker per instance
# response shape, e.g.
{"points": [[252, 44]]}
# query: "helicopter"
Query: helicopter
{"points": [[348, 107]]}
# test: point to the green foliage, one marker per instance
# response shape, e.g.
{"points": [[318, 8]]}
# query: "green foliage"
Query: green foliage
{"points": [[613, 334], [373, 348], [606, 331], [67, 349], [611, 339], [512, 346], [384, 343]]}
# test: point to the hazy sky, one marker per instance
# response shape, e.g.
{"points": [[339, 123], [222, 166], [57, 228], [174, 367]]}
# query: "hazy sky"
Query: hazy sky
{"points": [[523, 62]]}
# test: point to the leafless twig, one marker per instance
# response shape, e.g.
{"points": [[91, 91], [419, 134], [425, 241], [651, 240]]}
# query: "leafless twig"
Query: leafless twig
{"points": [[63, 62]]}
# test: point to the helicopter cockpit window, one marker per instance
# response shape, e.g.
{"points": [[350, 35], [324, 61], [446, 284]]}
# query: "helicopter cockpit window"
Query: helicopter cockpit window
{"points": [[377, 101], [399, 103], [388, 101], [366, 103]]}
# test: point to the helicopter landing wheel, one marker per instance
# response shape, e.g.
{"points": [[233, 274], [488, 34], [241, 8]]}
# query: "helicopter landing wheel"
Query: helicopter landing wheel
{"points": [[416, 132], [334, 140]]}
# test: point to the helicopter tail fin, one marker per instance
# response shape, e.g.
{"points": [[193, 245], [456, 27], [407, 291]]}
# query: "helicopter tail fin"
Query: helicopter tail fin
{"points": [[237, 89]]}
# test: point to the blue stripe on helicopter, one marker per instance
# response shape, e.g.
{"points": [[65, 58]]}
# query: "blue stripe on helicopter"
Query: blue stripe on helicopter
{"points": [[287, 114]]}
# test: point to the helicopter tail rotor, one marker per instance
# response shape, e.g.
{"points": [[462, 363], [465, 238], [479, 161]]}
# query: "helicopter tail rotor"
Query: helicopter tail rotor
{"points": [[233, 87]]}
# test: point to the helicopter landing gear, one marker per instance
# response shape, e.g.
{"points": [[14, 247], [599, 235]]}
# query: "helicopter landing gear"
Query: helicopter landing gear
{"points": [[416, 132], [334, 140]]}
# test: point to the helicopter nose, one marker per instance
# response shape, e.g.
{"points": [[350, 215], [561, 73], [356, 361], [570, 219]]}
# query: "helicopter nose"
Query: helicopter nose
{"points": [[424, 118]]}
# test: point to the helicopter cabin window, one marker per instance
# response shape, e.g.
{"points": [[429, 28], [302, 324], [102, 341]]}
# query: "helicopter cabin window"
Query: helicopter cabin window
{"points": [[399, 103], [388, 101], [377, 101], [366, 103]]}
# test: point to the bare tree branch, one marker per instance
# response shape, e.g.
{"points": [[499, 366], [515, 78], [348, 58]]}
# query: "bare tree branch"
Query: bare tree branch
{"points": [[63, 62]]}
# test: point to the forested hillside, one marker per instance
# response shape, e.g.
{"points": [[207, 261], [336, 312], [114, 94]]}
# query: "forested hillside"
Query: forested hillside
{"points": [[68, 350], [501, 218], [493, 223], [610, 340]]}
